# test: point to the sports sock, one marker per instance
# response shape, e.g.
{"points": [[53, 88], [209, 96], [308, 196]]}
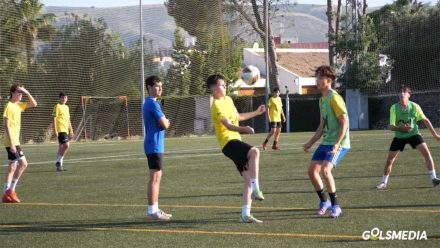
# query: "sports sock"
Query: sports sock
{"points": [[14, 183], [432, 174], [385, 178], [60, 159], [333, 198], [255, 185], [265, 141], [275, 142], [321, 195], [6, 187], [246, 210], [152, 209]]}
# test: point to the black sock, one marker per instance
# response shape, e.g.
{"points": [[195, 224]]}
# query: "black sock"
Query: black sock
{"points": [[265, 141], [333, 198], [275, 143], [321, 195]]}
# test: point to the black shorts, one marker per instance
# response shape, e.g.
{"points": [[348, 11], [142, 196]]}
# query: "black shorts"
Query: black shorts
{"points": [[399, 144], [14, 157], [238, 151], [155, 161], [275, 124], [63, 138]]}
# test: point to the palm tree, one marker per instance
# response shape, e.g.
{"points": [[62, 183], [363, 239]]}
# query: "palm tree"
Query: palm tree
{"points": [[31, 25]]}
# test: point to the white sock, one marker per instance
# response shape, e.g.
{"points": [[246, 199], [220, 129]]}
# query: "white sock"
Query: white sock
{"points": [[14, 183], [60, 159], [246, 210], [152, 209], [6, 187], [432, 174], [385, 178], [255, 185]]}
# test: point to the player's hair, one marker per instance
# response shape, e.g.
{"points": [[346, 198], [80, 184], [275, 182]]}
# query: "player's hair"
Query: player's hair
{"points": [[405, 88], [275, 89], [326, 71], [151, 81], [14, 89], [212, 80], [62, 93]]}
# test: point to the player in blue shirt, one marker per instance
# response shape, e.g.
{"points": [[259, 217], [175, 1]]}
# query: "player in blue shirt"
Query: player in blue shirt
{"points": [[155, 124]]}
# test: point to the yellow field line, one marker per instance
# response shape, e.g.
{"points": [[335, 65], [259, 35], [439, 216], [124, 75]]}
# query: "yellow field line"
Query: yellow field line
{"points": [[223, 207], [144, 230]]}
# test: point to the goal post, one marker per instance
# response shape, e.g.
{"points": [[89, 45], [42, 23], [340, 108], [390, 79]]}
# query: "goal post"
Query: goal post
{"points": [[104, 118]]}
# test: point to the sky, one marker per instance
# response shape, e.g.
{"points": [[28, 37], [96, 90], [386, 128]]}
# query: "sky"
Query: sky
{"points": [[115, 3]]}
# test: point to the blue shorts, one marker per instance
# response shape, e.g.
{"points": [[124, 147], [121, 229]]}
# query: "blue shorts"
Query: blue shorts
{"points": [[322, 151]]}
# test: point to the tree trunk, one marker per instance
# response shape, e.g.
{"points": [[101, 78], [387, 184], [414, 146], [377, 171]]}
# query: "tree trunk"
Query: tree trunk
{"points": [[273, 67], [364, 8], [30, 50], [331, 33]]}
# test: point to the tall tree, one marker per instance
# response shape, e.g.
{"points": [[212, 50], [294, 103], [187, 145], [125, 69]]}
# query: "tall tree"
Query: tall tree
{"points": [[333, 20], [29, 25], [253, 12], [214, 50]]}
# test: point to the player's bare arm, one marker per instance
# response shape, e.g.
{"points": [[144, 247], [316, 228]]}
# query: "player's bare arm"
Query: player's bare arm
{"points": [[71, 134], [246, 116], [164, 122], [400, 128], [7, 124], [32, 103], [282, 115], [315, 137], [240, 129], [55, 126], [343, 120], [428, 124]]}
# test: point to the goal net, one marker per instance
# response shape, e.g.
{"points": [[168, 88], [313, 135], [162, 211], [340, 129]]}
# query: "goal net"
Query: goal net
{"points": [[96, 50], [104, 118]]}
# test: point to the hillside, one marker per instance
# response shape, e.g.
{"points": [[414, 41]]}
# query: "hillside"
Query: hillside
{"points": [[304, 21]]}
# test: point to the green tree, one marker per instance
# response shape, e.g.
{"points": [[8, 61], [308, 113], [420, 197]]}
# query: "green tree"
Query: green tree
{"points": [[84, 58], [28, 25], [214, 52], [408, 33]]}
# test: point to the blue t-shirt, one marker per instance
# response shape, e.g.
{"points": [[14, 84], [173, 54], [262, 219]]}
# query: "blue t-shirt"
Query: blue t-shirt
{"points": [[154, 133]]}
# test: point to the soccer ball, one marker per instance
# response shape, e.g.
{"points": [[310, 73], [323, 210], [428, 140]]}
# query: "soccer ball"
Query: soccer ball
{"points": [[250, 75]]}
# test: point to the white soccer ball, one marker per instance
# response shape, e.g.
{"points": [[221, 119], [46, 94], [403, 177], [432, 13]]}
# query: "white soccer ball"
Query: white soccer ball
{"points": [[250, 75]]}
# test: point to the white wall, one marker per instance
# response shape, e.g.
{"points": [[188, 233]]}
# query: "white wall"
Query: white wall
{"points": [[287, 78]]}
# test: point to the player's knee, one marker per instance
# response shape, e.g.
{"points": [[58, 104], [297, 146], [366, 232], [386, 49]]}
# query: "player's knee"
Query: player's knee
{"points": [[66, 145], [12, 167], [327, 173], [254, 152]]}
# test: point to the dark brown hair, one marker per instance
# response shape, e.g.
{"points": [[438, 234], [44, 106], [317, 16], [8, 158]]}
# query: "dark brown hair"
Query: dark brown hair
{"points": [[326, 71], [405, 88]]}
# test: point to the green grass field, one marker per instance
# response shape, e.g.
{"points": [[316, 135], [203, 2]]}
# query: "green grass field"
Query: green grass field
{"points": [[101, 200]]}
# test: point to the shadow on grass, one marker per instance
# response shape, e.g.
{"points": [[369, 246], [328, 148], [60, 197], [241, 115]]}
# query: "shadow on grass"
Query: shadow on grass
{"points": [[105, 225]]}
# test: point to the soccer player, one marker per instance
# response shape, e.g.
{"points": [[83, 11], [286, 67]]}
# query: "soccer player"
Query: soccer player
{"points": [[155, 124], [63, 129], [246, 157], [275, 113], [12, 122], [334, 127], [404, 116]]}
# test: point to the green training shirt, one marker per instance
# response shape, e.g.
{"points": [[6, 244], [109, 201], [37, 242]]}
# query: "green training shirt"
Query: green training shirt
{"points": [[331, 107], [411, 115]]}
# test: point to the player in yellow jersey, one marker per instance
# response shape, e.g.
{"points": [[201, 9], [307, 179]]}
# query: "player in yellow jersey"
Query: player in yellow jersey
{"points": [[275, 113], [12, 122], [227, 129], [63, 129]]}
